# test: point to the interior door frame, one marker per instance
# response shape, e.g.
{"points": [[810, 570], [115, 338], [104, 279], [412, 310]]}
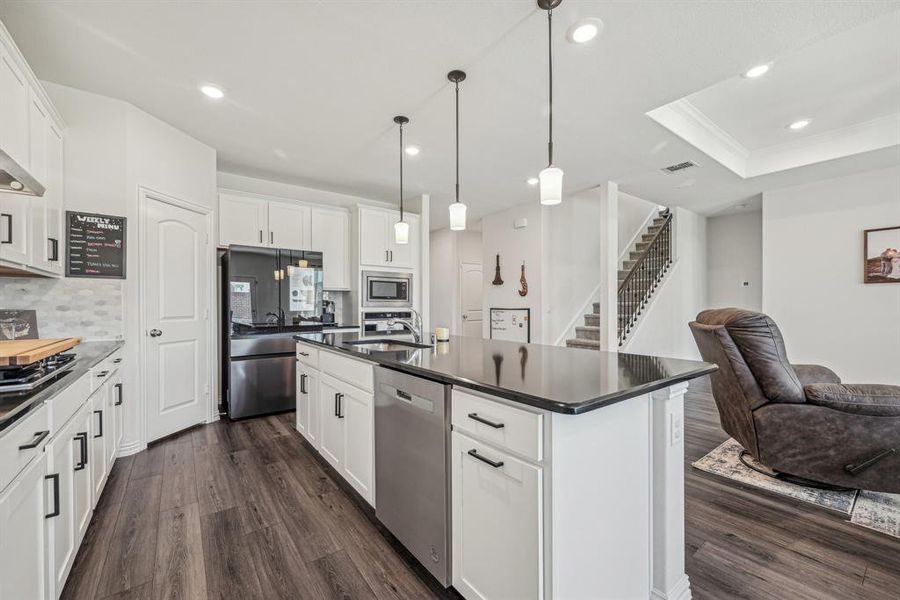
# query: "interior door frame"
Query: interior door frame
{"points": [[146, 194]]}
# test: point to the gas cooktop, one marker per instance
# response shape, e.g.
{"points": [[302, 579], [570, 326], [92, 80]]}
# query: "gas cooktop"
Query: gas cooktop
{"points": [[28, 377]]}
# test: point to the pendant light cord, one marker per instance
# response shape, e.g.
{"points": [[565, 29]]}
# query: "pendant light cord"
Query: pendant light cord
{"points": [[457, 141], [401, 172], [550, 61]]}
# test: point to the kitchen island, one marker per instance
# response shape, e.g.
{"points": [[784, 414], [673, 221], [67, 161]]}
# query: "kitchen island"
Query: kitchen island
{"points": [[567, 465]]}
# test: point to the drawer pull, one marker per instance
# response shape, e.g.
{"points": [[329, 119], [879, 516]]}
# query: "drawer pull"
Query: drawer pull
{"points": [[82, 442], [117, 361], [102, 373], [303, 354], [39, 437], [55, 479], [475, 417], [494, 463]]}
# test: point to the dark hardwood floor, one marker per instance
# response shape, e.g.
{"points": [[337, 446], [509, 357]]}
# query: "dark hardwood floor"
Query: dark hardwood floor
{"points": [[243, 510]]}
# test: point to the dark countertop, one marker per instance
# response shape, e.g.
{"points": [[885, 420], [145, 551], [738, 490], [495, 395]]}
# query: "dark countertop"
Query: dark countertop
{"points": [[563, 380], [15, 405]]}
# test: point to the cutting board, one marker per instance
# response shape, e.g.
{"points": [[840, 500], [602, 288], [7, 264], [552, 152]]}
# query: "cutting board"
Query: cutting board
{"points": [[25, 352]]}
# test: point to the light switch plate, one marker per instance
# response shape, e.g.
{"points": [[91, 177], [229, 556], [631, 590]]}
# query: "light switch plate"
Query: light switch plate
{"points": [[676, 429]]}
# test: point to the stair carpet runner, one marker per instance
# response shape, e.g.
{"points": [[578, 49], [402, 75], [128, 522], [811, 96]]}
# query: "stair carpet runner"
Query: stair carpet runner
{"points": [[588, 335]]}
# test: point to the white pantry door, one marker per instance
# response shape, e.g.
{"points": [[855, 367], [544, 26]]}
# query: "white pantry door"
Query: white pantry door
{"points": [[471, 282], [176, 311]]}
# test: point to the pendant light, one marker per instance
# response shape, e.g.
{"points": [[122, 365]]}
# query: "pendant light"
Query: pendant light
{"points": [[551, 177], [457, 208], [401, 227]]}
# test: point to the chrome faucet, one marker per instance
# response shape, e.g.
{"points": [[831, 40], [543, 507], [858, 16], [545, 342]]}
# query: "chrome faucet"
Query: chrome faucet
{"points": [[415, 329]]}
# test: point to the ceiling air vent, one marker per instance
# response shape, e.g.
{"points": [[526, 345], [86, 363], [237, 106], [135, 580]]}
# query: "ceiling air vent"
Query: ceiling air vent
{"points": [[680, 166]]}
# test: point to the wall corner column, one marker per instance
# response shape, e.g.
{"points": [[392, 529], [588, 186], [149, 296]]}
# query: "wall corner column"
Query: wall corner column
{"points": [[609, 266], [425, 264]]}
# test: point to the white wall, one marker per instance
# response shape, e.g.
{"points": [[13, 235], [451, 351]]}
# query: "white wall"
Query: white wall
{"points": [[734, 256], [448, 250], [812, 274], [515, 246], [111, 149], [663, 329]]}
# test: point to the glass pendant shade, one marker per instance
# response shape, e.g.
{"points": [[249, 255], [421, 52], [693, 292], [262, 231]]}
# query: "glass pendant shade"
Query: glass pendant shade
{"points": [[551, 185], [457, 216], [401, 232]]}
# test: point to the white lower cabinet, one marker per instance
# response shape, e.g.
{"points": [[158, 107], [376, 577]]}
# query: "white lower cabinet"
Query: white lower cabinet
{"points": [[335, 413], [97, 441], [497, 523], [65, 459], [83, 485], [24, 507]]}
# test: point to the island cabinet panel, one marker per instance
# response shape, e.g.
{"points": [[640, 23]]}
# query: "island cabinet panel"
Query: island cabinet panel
{"points": [[498, 523], [308, 406], [357, 409], [98, 438], [331, 443], [23, 510]]}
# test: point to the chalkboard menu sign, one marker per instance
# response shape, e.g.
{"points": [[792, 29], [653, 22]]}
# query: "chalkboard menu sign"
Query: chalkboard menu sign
{"points": [[96, 246]]}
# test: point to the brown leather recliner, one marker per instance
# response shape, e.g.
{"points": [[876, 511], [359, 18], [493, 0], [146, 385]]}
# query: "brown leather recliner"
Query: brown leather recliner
{"points": [[798, 419]]}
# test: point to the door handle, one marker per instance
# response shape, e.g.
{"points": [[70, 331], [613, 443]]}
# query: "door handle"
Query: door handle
{"points": [[39, 437], [100, 413], [9, 228], [82, 442], [494, 463], [55, 479], [475, 417], [155, 333], [119, 393]]}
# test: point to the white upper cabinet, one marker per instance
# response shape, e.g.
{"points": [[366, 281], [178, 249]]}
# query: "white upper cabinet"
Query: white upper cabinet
{"points": [[46, 152], [330, 236], [243, 221], [14, 109], [289, 226], [54, 200], [376, 239], [15, 228]]}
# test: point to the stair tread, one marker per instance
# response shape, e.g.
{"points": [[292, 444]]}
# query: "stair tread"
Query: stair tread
{"points": [[576, 343]]}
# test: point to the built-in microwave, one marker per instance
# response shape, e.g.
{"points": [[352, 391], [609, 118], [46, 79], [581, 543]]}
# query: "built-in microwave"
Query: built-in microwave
{"points": [[383, 289]]}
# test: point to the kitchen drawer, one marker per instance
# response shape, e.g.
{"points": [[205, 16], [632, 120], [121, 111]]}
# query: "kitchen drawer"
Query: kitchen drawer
{"points": [[355, 372], [104, 370], [308, 355], [505, 426], [33, 428], [66, 403]]}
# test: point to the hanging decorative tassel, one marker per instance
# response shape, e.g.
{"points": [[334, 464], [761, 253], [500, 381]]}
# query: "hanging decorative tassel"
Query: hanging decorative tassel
{"points": [[497, 279], [524, 289]]}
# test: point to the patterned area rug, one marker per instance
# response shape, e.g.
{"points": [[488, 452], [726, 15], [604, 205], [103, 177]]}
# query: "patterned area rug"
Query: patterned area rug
{"points": [[877, 511]]}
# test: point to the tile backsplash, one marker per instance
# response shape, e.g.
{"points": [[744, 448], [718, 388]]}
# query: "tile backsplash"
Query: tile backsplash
{"points": [[91, 309]]}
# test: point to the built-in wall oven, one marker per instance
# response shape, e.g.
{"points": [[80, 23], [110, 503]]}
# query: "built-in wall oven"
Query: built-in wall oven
{"points": [[387, 289]]}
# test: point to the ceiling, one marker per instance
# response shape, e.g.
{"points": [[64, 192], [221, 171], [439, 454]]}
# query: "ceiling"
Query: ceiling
{"points": [[312, 87]]}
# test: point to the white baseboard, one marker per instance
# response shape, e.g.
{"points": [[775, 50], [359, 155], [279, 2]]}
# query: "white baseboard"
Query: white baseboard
{"points": [[680, 591], [132, 448]]}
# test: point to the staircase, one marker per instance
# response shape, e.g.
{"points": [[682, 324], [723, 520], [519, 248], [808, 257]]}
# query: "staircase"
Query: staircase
{"points": [[643, 270]]}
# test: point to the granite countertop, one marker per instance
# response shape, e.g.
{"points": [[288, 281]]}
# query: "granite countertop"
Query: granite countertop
{"points": [[14, 405], [563, 380]]}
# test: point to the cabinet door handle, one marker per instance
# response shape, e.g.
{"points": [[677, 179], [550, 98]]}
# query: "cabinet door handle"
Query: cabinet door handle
{"points": [[100, 413], [102, 373], [386, 256], [336, 404], [340, 404], [9, 228], [53, 250], [55, 479], [118, 394], [39, 437], [271, 237], [302, 383], [494, 463], [260, 236], [392, 255], [306, 354], [82, 443], [117, 361], [475, 417]]}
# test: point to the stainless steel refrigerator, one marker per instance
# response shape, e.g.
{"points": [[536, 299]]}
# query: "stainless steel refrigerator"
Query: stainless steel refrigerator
{"points": [[268, 295]]}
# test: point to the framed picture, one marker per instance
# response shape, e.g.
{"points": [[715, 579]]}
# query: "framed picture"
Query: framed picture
{"points": [[18, 325], [881, 250]]}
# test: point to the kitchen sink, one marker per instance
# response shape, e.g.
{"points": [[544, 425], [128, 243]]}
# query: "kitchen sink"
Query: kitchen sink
{"points": [[386, 345]]}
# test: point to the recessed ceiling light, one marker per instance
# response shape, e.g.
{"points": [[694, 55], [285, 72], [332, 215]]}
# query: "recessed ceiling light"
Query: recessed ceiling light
{"points": [[584, 30], [532, 181], [796, 125], [757, 71], [212, 91], [412, 150]]}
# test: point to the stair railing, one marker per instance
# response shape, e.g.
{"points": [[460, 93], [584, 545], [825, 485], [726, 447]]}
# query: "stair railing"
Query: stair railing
{"points": [[645, 275]]}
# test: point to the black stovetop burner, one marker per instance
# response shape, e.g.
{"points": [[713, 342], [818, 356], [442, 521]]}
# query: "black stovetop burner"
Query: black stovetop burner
{"points": [[27, 377]]}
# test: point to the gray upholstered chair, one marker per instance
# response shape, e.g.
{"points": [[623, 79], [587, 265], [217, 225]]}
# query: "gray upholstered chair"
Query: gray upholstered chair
{"points": [[798, 419]]}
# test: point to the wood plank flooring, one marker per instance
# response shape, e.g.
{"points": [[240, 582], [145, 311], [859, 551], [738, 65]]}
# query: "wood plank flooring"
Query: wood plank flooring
{"points": [[243, 510]]}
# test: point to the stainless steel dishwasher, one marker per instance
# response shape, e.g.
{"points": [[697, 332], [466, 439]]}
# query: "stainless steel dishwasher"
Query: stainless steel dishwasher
{"points": [[412, 466]]}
